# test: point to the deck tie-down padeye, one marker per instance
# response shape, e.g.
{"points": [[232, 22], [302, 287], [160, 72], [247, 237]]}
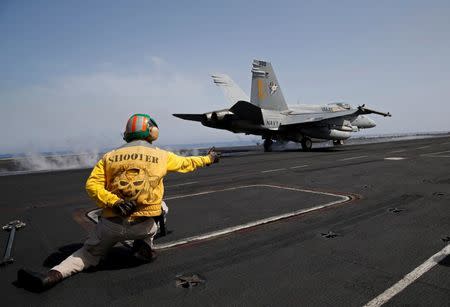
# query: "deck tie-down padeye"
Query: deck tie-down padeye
{"points": [[329, 235], [189, 281], [396, 210]]}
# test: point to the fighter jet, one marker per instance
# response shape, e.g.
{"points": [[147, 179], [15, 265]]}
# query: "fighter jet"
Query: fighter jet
{"points": [[266, 113]]}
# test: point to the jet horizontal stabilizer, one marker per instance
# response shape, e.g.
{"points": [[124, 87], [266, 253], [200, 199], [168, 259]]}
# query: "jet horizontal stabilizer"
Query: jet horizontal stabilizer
{"points": [[247, 111], [193, 117]]}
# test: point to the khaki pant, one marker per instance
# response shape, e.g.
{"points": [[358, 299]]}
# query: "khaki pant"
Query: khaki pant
{"points": [[105, 235]]}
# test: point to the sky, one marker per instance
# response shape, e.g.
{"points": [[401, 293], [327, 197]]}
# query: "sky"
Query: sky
{"points": [[72, 72]]}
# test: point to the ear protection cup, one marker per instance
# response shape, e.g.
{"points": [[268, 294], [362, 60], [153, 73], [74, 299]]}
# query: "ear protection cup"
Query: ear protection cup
{"points": [[153, 133]]}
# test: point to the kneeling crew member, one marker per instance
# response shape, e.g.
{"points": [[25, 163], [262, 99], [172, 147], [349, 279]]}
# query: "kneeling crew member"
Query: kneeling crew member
{"points": [[127, 183]]}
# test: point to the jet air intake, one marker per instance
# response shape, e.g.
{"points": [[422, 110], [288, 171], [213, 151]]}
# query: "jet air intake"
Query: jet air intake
{"points": [[349, 128]]}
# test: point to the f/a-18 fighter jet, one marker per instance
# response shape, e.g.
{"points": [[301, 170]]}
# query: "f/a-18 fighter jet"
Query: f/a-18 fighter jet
{"points": [[266, 113]]}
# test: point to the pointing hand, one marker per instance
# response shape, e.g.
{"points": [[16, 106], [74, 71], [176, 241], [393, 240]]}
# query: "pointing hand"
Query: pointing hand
{"points": [[214, 155]]}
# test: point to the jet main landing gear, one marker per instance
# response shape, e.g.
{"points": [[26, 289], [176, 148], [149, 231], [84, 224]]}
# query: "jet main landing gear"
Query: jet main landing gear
{"points": [[306, 144], [268, 145]]}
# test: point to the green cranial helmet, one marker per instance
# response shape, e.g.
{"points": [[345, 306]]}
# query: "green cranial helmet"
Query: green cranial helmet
{"points": [[139, 127]]}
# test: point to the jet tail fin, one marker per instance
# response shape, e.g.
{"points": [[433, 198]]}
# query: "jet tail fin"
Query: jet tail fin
{"points": [[266, 91], [230, 89]]}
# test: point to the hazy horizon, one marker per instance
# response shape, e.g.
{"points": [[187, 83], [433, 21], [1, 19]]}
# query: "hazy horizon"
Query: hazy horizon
{"points": [[221, 143]]}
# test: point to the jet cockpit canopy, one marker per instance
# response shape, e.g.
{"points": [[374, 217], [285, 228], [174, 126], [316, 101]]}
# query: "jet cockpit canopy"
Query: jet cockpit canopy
{"points": [[343, 105]]}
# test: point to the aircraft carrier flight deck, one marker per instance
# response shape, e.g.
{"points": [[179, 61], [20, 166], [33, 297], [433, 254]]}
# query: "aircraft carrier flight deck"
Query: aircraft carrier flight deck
{"points": [[339, 226]]}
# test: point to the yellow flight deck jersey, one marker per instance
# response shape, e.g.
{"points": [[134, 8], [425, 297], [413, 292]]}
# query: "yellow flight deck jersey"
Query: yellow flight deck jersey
{"points": [[135, 171]]}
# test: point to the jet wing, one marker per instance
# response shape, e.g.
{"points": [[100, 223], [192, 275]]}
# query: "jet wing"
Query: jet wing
{"points": [[193, 117], [306, 119]]}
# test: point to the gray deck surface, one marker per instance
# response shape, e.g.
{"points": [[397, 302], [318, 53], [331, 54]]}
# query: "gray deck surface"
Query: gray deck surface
{"points": [[287, 262]]}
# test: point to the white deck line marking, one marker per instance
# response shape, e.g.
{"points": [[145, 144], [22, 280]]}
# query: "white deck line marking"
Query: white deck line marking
{"points": [[254, 185], [401, 150], [47, 171], [181, 184], [440, 156], [273, 170], [394, 158], [435, 153], [409, 278], [445, 143], [352, 158], [299, 166], [93, 214], [423, 147], [227, 230]]}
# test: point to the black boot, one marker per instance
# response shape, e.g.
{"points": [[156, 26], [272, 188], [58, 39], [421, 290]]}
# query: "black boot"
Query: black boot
{"points": [[143, 251], [38, 281]]}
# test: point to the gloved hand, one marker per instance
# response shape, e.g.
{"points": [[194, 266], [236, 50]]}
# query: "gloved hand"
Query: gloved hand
{"points": [[125, 207], [214, 155]]}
